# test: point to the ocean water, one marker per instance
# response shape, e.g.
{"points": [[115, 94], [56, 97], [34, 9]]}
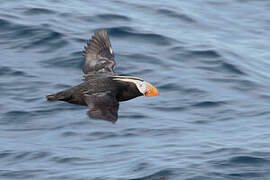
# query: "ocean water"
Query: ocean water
{"points": [[208, 58]]}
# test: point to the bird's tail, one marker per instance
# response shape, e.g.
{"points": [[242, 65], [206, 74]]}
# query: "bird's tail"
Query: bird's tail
{"points": [[60, 96], [52, 97]]}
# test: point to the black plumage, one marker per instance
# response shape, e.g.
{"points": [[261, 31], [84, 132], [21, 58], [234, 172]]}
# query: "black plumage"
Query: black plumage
{"points": [[101, 89]]}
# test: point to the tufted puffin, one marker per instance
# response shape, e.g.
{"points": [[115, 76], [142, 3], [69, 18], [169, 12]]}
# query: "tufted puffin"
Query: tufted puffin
{"points": [[102, 89]]}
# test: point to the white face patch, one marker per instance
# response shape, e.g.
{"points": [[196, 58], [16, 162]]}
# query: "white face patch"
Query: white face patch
{"points": [[141, 85]]}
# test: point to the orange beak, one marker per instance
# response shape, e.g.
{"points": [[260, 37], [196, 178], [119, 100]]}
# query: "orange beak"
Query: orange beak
{"points": [[150, 90]]}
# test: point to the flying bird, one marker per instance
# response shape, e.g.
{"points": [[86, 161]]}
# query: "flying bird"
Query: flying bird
{"points": [[102, 89]]}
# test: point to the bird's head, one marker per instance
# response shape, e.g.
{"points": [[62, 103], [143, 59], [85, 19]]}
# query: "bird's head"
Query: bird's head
{"points": [[145, 88]]}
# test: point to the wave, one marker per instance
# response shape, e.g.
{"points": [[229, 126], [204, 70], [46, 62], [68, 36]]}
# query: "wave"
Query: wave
{"points": [[164, 174], [73, 60], [31, 37], [38, 11], [7, 71], [112, 17], [209, 104], [127, 32], [175, 15]]}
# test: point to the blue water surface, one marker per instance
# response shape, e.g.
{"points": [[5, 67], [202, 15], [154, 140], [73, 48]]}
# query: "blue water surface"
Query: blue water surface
{"points": [[208, 58]]}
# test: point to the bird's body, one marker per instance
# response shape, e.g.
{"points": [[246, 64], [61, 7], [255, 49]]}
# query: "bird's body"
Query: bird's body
{"points": [[97, 84], [102, 89]]}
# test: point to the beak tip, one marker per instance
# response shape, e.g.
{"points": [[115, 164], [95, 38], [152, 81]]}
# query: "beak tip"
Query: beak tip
{"points": [[152, 92]]}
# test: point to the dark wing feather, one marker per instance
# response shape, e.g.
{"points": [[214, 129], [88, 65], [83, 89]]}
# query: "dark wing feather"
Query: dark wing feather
{"points": [[102, 105], [99, 57]]}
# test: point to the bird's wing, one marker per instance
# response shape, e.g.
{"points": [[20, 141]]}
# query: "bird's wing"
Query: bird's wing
{"points": [[99, 57], [102, 105]]}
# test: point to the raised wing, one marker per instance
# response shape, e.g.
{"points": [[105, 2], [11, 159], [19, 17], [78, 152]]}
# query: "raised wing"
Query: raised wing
{"points": [[102, 105], [99, 57]]}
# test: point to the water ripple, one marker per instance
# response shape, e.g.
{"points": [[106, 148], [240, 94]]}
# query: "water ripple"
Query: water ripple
{"points": [[112, 17], [127, 32], [160, 175], [209, 104], [7, 71], [38, 11], [74, 60], [173, 14], [22, 174]]}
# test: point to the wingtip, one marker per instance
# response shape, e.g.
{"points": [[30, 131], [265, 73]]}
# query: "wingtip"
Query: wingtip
{"points": [[99, 43], [101, 32]]}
